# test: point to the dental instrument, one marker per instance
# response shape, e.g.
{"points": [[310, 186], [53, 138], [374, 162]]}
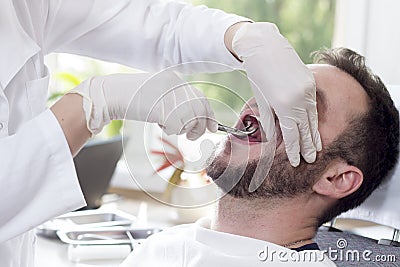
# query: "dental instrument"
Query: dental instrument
{"points": [[249, 129]]}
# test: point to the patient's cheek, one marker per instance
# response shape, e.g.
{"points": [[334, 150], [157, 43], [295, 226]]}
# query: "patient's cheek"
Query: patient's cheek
{"points": [[326, 132], [327, 135], [321, 114]]}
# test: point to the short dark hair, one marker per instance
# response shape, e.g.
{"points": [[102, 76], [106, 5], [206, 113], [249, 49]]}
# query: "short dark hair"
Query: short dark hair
{"points": [[371, 141]]}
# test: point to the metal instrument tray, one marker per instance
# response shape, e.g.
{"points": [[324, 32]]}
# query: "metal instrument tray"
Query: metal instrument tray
{"points": [[84, 220], [117, 235]]}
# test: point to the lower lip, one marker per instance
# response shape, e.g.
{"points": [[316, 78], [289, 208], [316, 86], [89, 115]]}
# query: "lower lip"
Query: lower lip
{"points": [[261, 138], [249, 140], [244, 140]]}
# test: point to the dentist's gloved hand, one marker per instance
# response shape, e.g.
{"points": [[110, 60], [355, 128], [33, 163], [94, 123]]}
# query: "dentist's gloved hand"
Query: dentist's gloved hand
{"points": [[162, 98], [281, 79]]}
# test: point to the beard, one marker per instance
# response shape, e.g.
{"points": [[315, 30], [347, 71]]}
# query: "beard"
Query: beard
{"points": [[275, 177]]}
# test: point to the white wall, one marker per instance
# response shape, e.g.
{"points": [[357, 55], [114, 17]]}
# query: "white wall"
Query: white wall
{"points": [[372, 28]]}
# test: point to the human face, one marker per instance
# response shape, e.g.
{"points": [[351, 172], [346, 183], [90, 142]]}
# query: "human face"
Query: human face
{"points": [[339, 98]]}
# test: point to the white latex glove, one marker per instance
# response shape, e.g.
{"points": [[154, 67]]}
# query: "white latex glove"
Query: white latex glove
{"points": [[280, 78], [161, 98]]}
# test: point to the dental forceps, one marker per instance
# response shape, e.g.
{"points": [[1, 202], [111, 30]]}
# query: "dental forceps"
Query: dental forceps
{"points": [[236, 132]]}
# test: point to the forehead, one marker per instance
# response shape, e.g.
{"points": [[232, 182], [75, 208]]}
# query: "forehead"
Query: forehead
{"points": [[339, 98]]}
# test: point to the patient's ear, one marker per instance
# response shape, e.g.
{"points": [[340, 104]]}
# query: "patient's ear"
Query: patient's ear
{"points": [[339, 180]]}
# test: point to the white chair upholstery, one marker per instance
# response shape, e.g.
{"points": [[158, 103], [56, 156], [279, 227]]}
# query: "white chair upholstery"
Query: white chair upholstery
{"points": [[383, 206]]}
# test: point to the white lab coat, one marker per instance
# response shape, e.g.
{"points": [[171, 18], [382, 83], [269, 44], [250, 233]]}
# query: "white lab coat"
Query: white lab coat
{"points": [[196, 245], [37, 175]]}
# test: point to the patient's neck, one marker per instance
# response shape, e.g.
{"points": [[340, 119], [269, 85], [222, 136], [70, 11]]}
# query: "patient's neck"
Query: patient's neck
{"points": [[277, 221]]}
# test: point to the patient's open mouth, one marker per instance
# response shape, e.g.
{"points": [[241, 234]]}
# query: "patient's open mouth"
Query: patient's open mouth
{"points": [[251, 124], [248, 122]]}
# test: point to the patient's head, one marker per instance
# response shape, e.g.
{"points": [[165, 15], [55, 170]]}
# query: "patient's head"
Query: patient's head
{"points": [[359, 127]]}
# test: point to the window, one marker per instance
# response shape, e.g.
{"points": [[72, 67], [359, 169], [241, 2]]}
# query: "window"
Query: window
{"points": [[370, 28]]}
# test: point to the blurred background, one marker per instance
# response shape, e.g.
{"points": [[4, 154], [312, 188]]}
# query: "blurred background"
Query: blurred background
{"points": [[367, 26]]}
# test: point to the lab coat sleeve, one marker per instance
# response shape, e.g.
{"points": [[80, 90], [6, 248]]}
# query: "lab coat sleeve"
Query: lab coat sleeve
{"points": [[145, 34], [37, 176]]}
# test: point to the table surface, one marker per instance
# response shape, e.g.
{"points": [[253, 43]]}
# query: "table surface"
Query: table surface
{"points": [[53, 252]]}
